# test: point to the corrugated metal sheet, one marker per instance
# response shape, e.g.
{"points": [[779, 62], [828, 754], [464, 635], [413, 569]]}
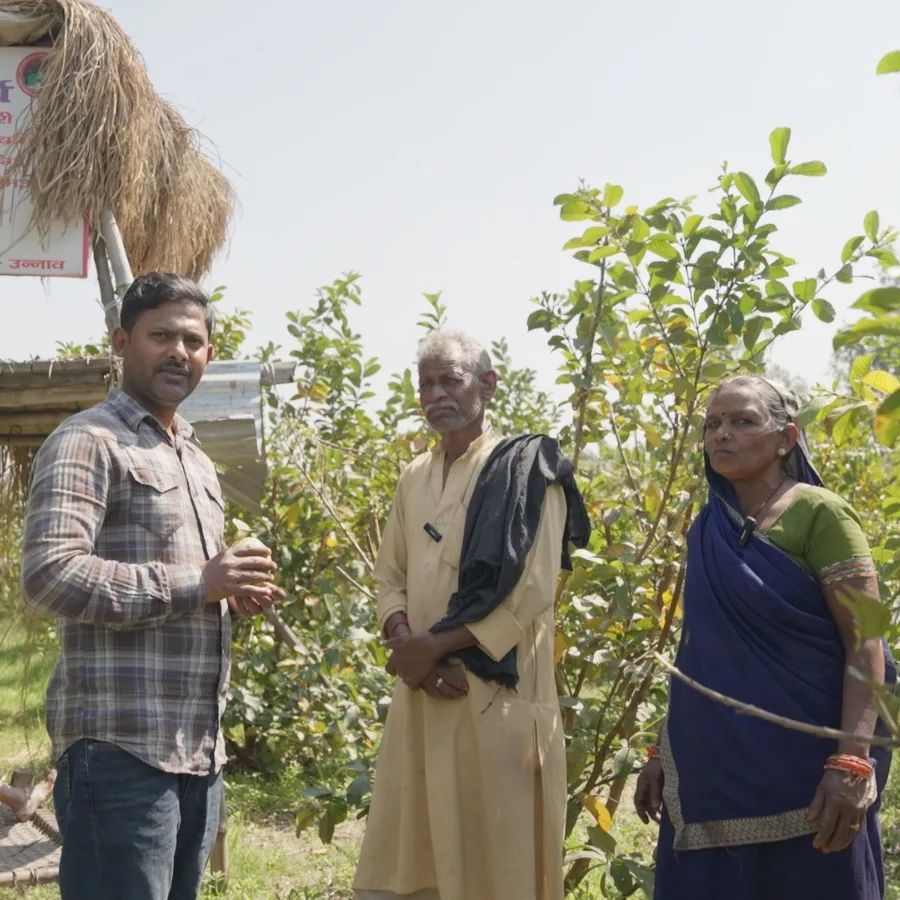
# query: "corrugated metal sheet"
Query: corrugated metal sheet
{"points": [[227, 414]]}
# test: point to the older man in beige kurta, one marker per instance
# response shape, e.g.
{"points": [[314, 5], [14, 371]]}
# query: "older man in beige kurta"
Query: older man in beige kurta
{"points": [[470, 793]]}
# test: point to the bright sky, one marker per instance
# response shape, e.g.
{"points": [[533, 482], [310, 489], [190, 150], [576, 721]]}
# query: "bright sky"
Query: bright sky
{"points": [[421, 144]]}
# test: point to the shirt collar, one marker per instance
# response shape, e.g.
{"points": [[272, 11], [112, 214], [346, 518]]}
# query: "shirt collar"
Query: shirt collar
{"points": [[134, 415]]}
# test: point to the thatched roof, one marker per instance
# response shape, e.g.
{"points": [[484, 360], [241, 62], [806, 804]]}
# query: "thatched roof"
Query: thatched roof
{"points": [[100, 138]]}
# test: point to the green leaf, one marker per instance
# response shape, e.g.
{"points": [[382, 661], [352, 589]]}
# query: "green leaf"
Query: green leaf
{"points": [[823, 310], [841, 429], [888, 326], [662, 248], [851, 247], [805, 290], [882, 381], [575, 211], [690, 225], [815, 168], [359, 787], [783, 201], [778, 144], [886, 429], [752, 331], [612, 194], [601, 839], [747, 186], [871, 617], [888, 63], [860, 367], [870, 225], [602, 253], [811, 410], [885, 256], [845, 274], [891, 405], [880, 300]]}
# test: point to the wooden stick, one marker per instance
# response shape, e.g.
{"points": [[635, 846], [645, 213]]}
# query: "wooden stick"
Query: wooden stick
{"points": [[792, 724]]}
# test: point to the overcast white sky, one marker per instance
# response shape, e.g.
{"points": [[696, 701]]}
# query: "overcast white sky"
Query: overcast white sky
{"points": [[422, 143]]}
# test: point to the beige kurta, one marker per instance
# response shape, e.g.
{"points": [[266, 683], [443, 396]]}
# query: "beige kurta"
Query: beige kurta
{"points": [[470, 794]]}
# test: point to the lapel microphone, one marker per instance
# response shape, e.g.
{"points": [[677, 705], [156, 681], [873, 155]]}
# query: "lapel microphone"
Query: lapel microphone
{"points": [[747, 531], [432, 532]]}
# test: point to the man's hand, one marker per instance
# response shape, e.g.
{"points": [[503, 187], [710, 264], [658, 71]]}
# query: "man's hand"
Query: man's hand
{"points": [[648, 792], [244, 606], [446, 681], [245, 570], [413, 656], [839, 810]]}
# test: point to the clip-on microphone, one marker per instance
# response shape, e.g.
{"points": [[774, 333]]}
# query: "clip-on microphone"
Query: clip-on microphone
{"points": [[747, 531]]}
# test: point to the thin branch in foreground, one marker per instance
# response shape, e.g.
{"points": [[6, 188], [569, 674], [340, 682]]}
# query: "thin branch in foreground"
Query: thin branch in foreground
{"points": [[361, 588], [791, 724]]}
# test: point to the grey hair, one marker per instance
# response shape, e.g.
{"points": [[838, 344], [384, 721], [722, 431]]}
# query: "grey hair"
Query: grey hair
{"points": [[781, 404], [455, 346]]}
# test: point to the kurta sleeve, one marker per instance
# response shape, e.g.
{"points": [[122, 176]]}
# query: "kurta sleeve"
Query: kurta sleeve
{"points": [[499, 631], [390, 566]]}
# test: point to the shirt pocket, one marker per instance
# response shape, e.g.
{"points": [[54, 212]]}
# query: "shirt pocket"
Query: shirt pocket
{"points": [[451, 542], [215, 505], [156, 500]]}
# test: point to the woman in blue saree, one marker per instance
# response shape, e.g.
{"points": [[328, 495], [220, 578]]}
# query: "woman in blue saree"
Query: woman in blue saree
{"points": [[749, 810]]}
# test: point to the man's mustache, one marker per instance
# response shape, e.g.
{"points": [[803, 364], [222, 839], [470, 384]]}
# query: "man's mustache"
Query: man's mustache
{"points": [[173, 369], [440, 407]]}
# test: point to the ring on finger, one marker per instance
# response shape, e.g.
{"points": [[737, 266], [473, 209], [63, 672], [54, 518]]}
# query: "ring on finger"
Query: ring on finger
{"points": [[439, 681]]}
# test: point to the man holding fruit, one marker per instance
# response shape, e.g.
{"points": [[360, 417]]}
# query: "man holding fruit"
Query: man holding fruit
{"points": [[124, 545]]}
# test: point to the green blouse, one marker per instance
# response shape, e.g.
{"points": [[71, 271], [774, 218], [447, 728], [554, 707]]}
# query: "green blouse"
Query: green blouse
{"points": [[823, 534]]}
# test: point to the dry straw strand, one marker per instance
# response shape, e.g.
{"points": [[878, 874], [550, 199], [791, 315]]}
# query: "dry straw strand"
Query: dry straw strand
{"points": [[101, 137]]}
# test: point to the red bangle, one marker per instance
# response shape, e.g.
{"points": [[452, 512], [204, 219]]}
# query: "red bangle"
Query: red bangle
{"points": [[852, 765], [652, 751]]}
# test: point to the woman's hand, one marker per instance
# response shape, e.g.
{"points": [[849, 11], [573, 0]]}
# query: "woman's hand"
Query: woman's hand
{"points": [[412, 657], [839, 810], [648, 793]]}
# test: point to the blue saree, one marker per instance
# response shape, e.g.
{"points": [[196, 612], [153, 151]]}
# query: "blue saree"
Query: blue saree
{"points": [[757, 628]]}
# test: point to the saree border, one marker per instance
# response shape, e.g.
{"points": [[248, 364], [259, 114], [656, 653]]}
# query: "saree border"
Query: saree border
{"points": [[723, 832]]}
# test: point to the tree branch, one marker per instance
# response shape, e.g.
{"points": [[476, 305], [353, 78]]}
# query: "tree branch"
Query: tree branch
{"points": [[792, 724]]}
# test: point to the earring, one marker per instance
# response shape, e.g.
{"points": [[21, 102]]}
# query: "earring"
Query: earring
{"points": [[781, 451]]}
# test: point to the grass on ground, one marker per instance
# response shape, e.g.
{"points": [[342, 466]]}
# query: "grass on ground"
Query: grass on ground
{"points": [[267, 860]]}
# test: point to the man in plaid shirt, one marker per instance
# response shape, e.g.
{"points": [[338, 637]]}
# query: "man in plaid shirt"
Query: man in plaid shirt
{"points": [[124, 544]]}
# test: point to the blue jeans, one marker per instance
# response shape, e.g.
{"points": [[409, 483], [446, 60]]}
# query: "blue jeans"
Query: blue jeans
{"points": [[129, 830]]}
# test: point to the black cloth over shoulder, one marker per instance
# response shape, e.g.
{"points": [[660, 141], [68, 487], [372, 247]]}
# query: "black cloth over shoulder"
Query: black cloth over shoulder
{"points": [[501, 523]]}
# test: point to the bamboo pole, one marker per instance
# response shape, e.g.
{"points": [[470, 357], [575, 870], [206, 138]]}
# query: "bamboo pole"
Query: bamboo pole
{"points": [[115, 250], [108, 299]]}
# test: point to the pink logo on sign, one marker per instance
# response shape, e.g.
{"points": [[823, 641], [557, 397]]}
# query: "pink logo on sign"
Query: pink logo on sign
{"points": [[30, 73]]}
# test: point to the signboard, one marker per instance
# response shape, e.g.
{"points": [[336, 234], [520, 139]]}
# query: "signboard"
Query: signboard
{"points": [[64, 250]]}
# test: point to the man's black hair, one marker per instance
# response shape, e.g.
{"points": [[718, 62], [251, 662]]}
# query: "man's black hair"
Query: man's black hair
{"points": [[155, 288]]}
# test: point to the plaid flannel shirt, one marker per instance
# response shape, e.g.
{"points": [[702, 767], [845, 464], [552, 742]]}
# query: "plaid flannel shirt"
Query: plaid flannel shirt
{"points": [[121, 518]]}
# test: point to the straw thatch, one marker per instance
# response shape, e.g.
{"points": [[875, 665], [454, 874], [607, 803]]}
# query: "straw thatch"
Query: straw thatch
{"points": [[101, 137]]}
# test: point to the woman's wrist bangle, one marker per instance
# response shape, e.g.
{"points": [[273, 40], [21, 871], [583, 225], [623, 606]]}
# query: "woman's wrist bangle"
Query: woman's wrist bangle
{"points": [[852, 765]]}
